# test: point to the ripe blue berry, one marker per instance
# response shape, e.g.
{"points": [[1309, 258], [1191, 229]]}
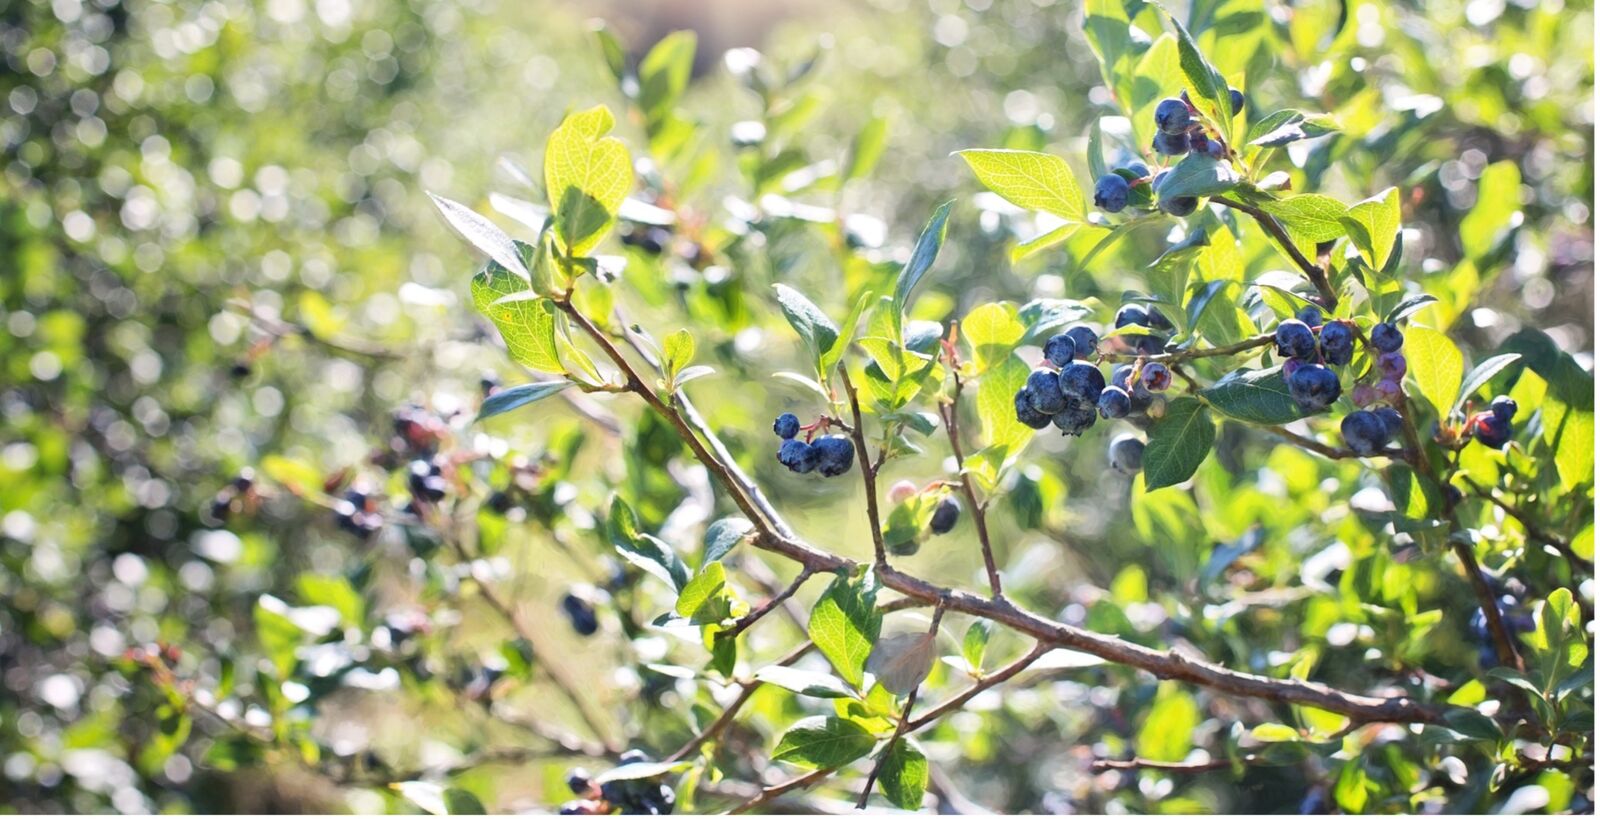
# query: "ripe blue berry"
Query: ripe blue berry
{"points": [[1295, 340], [1044, 391], [835, 454], [1081, 384], [1179, 206], [1139, 170], [1201, 144], [580, 614], [1364, 432], [1393, 424], [1170, 144], [1236, 98], [1392, 365], [1155, 376], [1060, 349], [1503, 408], [1137, 394], [1026, 414], [945, 515], [1386, 337], [1084, 341], [1111, 193], [1489, 430], [1338, 343], [1172, 116], [1311, 315], [1313, 387], [798, 455], [786, 425], [580, 781], [1114, 403], [1127, 454], [1131, 314], [1077, 417]]}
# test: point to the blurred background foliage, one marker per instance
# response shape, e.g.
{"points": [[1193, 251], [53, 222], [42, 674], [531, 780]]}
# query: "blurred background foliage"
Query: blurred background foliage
{"points": [[217, 257]]}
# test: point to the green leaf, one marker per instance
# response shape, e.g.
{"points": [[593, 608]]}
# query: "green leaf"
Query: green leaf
{"points": [[1481, 374], [1166, 733], [664, 73], [1373, 224], [1570, 432], [1253, 396], [1179, 442], [807, 319], [510, 398], [1029, 180], [823, 742], [1210, 89], [922, 257], [1197, 175], [1282, 127], [1499, 200], [867, 148], [1350, 792], [334, 591], [1408, 305], [1097, 150], [835, 352], [904, 777], [645, 551], [993, 330], [997, 411], [483, 235], [723, 535], [845, 623], [586, 176], [1310, 218], [461, 802], [1435, 363], [677, 351], [525, 320], [702, 599], [974, 644], [809, 683], [1274, 732]]}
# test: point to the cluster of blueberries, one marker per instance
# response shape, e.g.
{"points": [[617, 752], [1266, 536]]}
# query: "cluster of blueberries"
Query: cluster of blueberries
{"points": [[1311, 349], [358, 513], [830, 455], [1179, 132], [237, 493], [632, 797], [1070, 393], [1492, 427]]}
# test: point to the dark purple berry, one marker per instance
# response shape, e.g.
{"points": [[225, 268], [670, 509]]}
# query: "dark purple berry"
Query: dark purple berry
{"points": [[1131, 314], [1364, 432], [1172, 116], [580, 614], [1338, 343], [1170, 144], [1179, 206], [945, 515], [835, 454], [1082, 383], [1503, 408], [1393, 423], [1155, 376], [1294, 339], [1026, 414], [1236, 99], [798, 455], [1311, 315], [1386, 337], [1111, 193], [1313, 387], [1127, 454], [1392, 366], [1489, 430], [1085, 342], [1077, 417]]}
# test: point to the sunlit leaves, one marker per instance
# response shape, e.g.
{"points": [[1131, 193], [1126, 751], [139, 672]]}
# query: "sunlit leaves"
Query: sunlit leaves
{"points": [[823, 742], [814, 327], [992, 330], [510, 398], [901, 662], [805, 682], [904, 777], [923, 255], [997, 412], [1373, 225], [845, 623], [1197, 175], [586, 176], [1165, 735], [1179, 442], [1436, 364], [1498, 207], [1029, 180], [645, 551], [483, 235], [1310, 217]]}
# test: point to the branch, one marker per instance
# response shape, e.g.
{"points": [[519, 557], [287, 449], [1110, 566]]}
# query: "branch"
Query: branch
{"points": [[769, 794], [750, 619], [1534, 530], [983, 684], [952, 424], [1166, 665], [1269, 223], [747, 690], [1137, 763], [869, 471], [1335, 453]]}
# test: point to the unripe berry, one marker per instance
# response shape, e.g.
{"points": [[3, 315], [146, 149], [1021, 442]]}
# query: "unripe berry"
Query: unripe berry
{"points": [[902, 491], [1155, 376], [1392, 366]]}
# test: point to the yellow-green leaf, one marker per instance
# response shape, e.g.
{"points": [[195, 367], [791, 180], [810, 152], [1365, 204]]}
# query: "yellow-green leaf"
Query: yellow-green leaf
{"points": [[1436, 365], [1030, 180], [586, 176]]}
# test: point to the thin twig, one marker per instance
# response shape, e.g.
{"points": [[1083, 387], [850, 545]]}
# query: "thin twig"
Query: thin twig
{"points": [[1270, 224], [750, 619], [951, 413], [1335, 453], [769, 794], [1534, 530], [869, 471], [983, 684], [747, 690], [1137, 763], [900, 728]]}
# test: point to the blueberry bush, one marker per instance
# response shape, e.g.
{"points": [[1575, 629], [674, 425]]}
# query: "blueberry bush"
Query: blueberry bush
{"points": [[1187, 450]]}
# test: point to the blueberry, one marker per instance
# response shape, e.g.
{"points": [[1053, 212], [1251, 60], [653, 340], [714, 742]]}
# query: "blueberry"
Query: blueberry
{"points": [[1364, 432], [1294, 339], [1131, 314], [1393, 423], [1139, 170], [1127, 454], [1313, 387], [1179, 206], [1490, 430], [798, 455], [1114, 403], [1084, 341], [580, 781], [945, 515], [1503, 408], [1155, 376], [1386, 337], [1364, 395], [1139, 397], [1081, 384], [1172, 116], [1389, 390], [787, 426], [1158, 321], [1201, 144], [580, 614], [1236, 99], [1170, 144], [1026, 414], [426, 480], [1120, 375], [1060, 349], [1111, 193], [1311, 315], [835, 454], [1077, 417], [1044, 391], [1392, 365], [1338, 343], [1147, 345]]}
